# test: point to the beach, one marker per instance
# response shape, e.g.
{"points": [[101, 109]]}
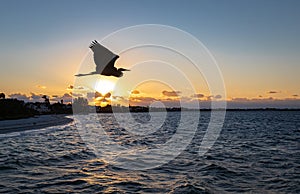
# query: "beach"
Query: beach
{"points": [[36, 122]]}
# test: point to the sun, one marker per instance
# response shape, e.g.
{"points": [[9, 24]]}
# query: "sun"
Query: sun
{"points": [[104, 86]]}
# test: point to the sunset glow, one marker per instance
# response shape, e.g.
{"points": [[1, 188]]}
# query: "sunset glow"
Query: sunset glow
{"points": [[104, 86], [259, 61]]}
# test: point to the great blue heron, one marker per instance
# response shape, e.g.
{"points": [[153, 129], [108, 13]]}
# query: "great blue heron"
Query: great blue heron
{"points": [[105, 61]]}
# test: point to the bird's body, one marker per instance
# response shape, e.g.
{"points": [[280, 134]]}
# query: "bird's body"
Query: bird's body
{"points": [[105, 61]]}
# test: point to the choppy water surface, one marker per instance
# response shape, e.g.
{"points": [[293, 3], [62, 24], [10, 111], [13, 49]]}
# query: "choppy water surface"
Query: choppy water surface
{"points": [[257, 151]]}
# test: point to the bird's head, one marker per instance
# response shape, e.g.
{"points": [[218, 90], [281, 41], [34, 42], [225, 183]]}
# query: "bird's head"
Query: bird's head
{"points": [[119, 72]]}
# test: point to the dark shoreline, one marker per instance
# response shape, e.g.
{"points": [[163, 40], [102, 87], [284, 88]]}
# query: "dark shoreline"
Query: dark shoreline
{"points": [[253, 109], [31, 123], [146, 109]]}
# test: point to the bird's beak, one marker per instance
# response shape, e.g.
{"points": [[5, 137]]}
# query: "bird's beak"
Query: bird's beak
{"points": [[122, 69]]}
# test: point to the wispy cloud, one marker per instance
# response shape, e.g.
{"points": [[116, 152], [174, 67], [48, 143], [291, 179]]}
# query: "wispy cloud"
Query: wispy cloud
{"points": [[263, 103], [41, 87], [76, 94], [91, 95], [198, 96], [170, 99], [30, 98], [98, 94], [273, 92], [67, 98], [70, 87], [171, 93], [209, 97], [19, 96], [135, 92], [121, 98], [36, 97], [142, 99], [107, 95], [218, 96]]}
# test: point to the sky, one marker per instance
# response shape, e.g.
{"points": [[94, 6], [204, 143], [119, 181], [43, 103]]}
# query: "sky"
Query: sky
{"points": [[256, 45]]}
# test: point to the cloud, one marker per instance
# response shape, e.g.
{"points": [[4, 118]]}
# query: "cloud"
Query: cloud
{"points": [[169, 102], [209, 97], [118, 98], [66, 95], [218, 96], [70, 87], [198, 96], [31, 98], [76, 94], [97, 94], [147, 101], [263, 103], [41, 87], [79, 88], [273, 92], [191, 102], [186, 99], [107, 95], [36, 97], [104, 100], [92, 95], [98, 98], [135, 92], [171, 93], [67, 98], [82, 88], [19, 96], [142, 99], [240, 99]]}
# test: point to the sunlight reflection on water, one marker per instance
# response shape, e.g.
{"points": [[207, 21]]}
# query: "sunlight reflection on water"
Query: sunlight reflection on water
{"points": [[256, 152]]}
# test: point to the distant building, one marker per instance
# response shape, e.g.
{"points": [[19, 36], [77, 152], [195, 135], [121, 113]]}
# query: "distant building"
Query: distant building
{"points": [[41, 108]]}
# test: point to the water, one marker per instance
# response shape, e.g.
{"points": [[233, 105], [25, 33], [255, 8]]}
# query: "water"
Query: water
{"points": [[256, 152]]}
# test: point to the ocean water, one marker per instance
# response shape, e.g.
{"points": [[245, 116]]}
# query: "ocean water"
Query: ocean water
{"points": [[256, 152]]}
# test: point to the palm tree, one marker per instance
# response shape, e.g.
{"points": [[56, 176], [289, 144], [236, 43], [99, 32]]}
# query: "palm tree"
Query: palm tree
{"points": [[2, 96], [46, 99]]}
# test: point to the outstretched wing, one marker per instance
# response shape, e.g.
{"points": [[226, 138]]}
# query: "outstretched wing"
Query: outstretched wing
{"points": [[102, 56]]}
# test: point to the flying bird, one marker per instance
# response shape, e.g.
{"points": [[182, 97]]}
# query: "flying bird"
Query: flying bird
{"points": [[105, 61]]}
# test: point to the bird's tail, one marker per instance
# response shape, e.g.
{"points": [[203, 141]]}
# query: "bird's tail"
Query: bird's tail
{"points": [[80, 75]]}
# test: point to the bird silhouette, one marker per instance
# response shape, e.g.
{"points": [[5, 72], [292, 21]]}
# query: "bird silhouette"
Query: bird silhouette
{"points": [[105, 61]]}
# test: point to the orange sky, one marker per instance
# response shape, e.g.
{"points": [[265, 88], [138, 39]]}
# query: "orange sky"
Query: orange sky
{"points": [[258, 54]]}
